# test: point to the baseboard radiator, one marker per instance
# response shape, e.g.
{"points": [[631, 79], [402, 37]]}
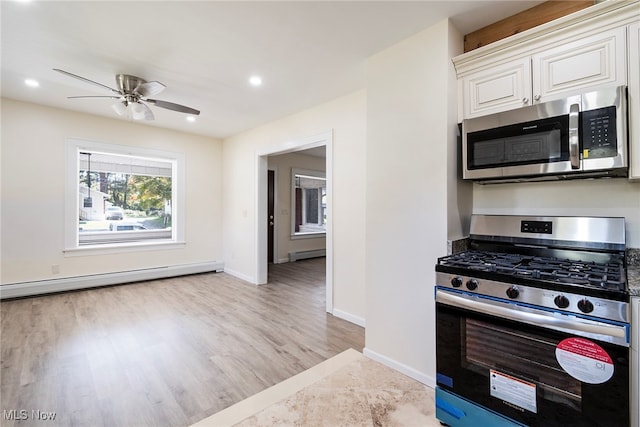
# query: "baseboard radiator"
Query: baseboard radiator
{"points": [[24, 289], [295, 256]]}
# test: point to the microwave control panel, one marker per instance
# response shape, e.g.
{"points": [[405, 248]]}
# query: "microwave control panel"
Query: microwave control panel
{"points": [[599, 133]]}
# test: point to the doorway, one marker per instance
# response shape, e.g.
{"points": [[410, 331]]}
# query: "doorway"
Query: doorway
{"points": [[262, 238], [271, 190]]}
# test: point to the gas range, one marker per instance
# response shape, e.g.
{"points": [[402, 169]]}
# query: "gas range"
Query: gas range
{"points": [[569, 264], [533, 324]]}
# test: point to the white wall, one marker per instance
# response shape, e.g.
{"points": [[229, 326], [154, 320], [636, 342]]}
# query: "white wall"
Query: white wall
{"points": [[346, 116], [282, 165], [596, 197], [410, 130], [459, 192], [33, 162]]}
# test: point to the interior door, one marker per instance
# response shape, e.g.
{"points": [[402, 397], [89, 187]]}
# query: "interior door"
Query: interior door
{"points": [[270, 214]]}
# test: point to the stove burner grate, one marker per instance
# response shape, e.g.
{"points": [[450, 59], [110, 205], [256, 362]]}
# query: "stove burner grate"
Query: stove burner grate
{"points": [[584, 273]]}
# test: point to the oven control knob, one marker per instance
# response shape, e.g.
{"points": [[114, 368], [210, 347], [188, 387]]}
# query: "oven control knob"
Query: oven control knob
{"points": [[513, 292], [456, 282], [585, 305], [561, 301], [472, 284]]}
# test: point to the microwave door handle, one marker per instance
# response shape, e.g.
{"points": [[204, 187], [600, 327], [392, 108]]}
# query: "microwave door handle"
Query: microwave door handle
{"points": [[574, 139]]}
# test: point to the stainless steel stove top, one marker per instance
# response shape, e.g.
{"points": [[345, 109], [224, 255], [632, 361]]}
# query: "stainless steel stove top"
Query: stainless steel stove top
{"points": [[608, 276], [568, 264]]}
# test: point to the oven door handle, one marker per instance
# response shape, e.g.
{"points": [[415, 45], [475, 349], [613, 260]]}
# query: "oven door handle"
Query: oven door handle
{"points": [[615, 334]]}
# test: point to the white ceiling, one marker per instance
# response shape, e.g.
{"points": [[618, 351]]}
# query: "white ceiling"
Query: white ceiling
{"points": [[307, 52]]}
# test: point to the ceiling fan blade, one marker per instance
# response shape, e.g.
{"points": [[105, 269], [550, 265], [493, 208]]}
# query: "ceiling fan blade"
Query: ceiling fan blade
{"points": [[149, 89], [109, 97], [174, 107], [86, 80]]}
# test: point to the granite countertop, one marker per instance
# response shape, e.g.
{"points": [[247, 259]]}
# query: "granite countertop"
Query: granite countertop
{"points": [[633, 271], [633, 278]]}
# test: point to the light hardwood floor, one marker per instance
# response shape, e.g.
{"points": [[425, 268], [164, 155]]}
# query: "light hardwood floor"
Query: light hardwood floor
{"points": [[166, 352]]}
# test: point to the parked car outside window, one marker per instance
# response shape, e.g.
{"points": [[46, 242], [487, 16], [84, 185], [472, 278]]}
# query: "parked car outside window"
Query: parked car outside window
{"points": [[114, 212], [126, 227]]}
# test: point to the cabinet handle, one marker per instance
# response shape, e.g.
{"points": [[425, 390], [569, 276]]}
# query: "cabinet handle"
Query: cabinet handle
{"points": [[536, 98], [525, 100]]}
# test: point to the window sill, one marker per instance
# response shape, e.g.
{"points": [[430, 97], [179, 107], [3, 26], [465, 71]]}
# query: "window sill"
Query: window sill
{"points": [[117, 248]]}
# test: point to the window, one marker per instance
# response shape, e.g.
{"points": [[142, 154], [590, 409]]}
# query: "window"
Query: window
{"points": [[308, 203], [121, 196]]}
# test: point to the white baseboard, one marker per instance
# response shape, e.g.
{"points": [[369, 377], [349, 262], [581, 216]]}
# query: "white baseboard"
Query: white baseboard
{"points": [[295, 256], [400, 367], [349, 317], [240, 276], [23, 289]]}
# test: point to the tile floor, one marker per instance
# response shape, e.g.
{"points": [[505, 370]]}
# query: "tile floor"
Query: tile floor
{"points": [[348, 390]]}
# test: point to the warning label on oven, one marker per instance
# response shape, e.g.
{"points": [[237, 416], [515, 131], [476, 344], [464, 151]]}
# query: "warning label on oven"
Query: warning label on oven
{"points": [[584, 360], [513, 391]]}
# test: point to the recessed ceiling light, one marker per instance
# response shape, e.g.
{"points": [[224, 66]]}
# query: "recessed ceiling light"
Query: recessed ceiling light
{"points": [[255, 80], [31, 83], [191, 119]]}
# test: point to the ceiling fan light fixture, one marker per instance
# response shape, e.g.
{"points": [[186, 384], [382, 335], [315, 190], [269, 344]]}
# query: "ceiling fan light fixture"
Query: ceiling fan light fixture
{"points": [[140, 111], [120, 108], [137, 112]]}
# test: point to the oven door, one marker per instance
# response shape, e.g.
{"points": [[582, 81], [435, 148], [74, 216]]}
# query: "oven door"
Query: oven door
{"points": [[536, 367]]}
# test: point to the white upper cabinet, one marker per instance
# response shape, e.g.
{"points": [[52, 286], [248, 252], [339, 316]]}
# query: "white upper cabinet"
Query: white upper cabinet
{"points": [[555, 72], [634, 101], [570, 68], [499, 88], [573, 54]]}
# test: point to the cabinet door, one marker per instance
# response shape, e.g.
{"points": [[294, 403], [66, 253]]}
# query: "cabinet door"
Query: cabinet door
{"points": [[634, 101], [496, 89], [580, 65]]}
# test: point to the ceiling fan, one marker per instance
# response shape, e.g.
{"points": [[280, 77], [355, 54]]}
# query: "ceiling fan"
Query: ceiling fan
{"points": [[132, 95]]}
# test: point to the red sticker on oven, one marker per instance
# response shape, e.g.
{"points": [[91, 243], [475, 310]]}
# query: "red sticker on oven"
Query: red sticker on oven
{"points": [[584, 360]]}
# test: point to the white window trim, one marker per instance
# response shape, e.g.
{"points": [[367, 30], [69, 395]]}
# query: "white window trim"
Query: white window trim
{"points": [[72, 162]]}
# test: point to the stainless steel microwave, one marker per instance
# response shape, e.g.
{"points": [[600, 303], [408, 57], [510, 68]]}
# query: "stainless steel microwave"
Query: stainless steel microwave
{"points": [[580, 136]]}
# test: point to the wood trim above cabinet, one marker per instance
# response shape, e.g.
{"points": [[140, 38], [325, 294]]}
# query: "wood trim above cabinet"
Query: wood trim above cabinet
{"points": [[592, 20], [522, 21]]}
